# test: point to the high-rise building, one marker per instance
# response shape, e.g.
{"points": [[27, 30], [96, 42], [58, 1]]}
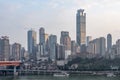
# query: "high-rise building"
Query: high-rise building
{"points": [[102, 46], [42, 41], [80, 27], [52, 47], [66, 41], [97, 47], [32, 44], [16, 51], [42, 35], [4, 48], [93, 48], [46, 43], [23, 54], [109, 43]]}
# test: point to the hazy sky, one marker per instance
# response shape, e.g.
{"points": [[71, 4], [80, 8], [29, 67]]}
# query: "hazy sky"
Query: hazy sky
{"points": [[18, 16]]}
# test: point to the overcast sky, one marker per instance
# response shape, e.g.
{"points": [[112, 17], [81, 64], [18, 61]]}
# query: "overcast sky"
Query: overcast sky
{"points": [[18, 16]]}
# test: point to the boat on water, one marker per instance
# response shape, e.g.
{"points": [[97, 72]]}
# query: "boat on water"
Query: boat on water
{"points": [[111, 75], [61, 74]]}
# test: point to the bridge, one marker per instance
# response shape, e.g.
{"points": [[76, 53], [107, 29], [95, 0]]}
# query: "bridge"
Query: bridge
{"points": [[11, 63]]}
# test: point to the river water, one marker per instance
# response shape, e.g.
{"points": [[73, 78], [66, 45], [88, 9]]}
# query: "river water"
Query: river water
{"points": [[43, 77]]}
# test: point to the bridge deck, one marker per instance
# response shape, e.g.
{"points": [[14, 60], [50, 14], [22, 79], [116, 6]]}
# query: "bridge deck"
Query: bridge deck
{"points": [[10, 63]]}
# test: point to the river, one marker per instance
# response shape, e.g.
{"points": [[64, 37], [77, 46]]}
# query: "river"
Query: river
{"points": [[75, 77]]}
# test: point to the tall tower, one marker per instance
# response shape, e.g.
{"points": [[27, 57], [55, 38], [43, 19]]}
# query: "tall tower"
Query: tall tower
{"points": [[81, 27], [32, 44], [42, 35], [109, 42], [102, 46], [42, 41], [4, 48], [52, 47]]}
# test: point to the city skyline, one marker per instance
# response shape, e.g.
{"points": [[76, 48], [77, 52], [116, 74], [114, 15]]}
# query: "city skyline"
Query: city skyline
{"points": [[24, 15]]}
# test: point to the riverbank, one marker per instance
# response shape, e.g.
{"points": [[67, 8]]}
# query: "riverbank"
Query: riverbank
{"points": [[51, 72]]}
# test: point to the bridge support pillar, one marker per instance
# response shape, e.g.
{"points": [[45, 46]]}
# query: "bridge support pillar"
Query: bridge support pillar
{"points": [[15, 72]]}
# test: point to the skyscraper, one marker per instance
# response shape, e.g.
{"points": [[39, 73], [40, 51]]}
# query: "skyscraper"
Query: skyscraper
{"points": [[109, 42], [23, 53], [52, 47], [97, 47], [16, 51], [4, 48], [102, 46], [81, 27], [42, 41], [66, 41], [42, 35], [32, 44]]}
